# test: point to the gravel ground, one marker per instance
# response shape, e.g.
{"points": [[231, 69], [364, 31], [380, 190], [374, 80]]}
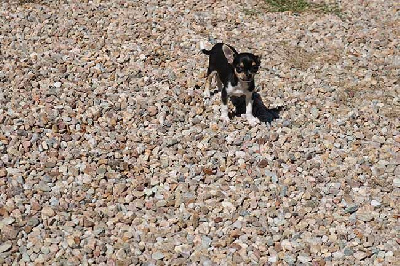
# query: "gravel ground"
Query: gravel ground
{"points": [[110, 156]]}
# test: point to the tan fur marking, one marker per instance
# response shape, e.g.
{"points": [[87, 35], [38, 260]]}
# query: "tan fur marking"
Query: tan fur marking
{"points": [[241, 76]]}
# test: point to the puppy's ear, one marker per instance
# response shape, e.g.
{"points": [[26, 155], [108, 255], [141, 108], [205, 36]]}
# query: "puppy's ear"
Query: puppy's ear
{"points": [[229, 53]]}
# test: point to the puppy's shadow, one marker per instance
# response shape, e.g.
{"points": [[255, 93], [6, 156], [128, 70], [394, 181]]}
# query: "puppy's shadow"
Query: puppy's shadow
{"points": [[259, 109]]}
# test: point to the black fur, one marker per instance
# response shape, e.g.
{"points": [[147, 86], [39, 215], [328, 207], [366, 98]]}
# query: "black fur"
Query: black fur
{"points": [[218, 62], [259, 109], [226, 72]]}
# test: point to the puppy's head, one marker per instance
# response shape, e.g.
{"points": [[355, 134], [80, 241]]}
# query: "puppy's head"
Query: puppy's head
{"points": [[245, 65]]}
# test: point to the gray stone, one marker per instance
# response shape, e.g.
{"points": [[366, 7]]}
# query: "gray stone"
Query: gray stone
{"points": [[6, 221], [304, 258], [157, 256], [396, 182], [5, 247], [314, 112], [289, 259], [365, 216], [348, 252], [43, 187], [359, 255], [351, 209], [33, 222], [205, 241]]}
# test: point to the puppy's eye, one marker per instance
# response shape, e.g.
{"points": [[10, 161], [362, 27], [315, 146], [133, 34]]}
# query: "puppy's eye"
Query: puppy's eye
{"points": [[254, 69], [239, 69]]}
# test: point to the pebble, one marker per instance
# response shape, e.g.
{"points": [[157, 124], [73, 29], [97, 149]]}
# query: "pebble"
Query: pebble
{"points": [[272, 259], [289, 259], [286, 244], [365, 216], [351, 209], [48, 211], [375, 203], [314, 112], [43, 187], [304, 258], [348, 252], [152, 110], [157, 256], [5, 247], [33, 222], [6, 221], [359, 255], [205, 241], [57, 84], [3, 172]]}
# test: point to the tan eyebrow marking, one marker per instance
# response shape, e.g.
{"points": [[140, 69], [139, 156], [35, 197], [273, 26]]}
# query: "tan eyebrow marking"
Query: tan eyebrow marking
{"points": [[241, 65], [254, 64]]}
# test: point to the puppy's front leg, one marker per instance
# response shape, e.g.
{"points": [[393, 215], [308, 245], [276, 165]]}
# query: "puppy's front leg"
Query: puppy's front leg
{"points": [[219, 83], [208, 85], [224, 107], [249, 110]]}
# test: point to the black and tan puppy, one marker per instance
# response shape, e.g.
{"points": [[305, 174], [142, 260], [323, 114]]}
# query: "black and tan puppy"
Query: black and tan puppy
{"points": [[234, 74]]}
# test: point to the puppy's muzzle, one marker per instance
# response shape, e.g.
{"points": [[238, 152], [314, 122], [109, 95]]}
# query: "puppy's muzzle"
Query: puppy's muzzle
{"points": [[247, 77]]}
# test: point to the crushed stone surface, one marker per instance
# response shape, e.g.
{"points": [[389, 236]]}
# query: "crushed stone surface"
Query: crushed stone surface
{"points": [[109, 154]]}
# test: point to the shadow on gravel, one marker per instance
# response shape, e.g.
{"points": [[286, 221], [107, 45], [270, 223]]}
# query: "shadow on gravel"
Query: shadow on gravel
{"points": [[259, 109]]}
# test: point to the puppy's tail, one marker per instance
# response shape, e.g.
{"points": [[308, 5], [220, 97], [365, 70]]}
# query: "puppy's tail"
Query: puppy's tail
{"points": [[202, 48]]}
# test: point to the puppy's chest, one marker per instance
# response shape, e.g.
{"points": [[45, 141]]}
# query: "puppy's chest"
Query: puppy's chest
{"points": [[239, 89]]}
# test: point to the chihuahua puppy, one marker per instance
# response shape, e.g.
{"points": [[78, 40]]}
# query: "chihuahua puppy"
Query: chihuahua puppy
{"points": [[234, 74]]}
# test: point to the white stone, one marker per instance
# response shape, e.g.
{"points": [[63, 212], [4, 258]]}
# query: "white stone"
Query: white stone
{"points": [[375, 203], [272, 259], [5, 247]]}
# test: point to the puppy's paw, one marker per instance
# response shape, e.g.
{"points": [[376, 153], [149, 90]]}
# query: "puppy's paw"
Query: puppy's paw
{"points": [[253, 121], [225, 119], [207, 94]]}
